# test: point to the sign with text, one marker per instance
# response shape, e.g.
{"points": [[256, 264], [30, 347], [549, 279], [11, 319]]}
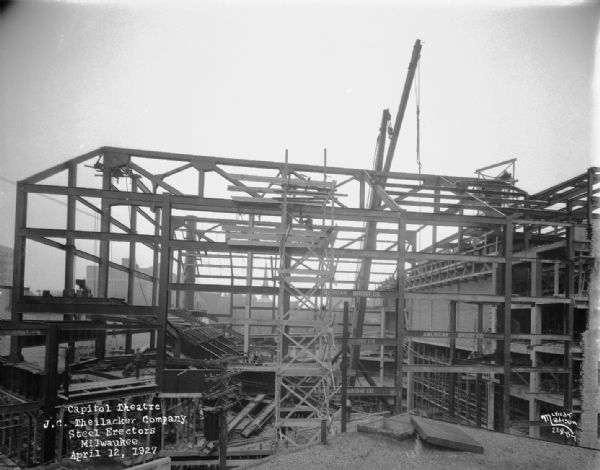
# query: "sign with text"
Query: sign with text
{"points": [[372, 391]]}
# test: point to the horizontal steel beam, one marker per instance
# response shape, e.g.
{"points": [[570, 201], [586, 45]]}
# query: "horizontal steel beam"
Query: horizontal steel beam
{"points": [[193, 202], [86, 308], [18, 408], [478, 369], [87, 235]]}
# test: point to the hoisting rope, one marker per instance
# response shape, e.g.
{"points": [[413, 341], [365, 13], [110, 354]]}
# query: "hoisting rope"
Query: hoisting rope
{"points": [[418, 102], [418, 111]]}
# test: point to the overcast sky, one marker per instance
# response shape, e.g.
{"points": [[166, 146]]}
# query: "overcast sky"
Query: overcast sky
{"points": [[250, 79]]}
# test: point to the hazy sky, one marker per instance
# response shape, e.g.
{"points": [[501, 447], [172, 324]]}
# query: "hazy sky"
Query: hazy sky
{"points": [[250, 79]]}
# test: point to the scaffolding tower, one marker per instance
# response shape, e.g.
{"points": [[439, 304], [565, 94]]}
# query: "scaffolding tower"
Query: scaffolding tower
{"points": [[304, 380]]}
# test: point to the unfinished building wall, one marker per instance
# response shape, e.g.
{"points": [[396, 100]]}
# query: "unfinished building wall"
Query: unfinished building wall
{"points": [[590, 416]]}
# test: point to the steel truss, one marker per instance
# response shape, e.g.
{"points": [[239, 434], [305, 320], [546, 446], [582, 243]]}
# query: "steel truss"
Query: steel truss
{"points": [[191, 213]]}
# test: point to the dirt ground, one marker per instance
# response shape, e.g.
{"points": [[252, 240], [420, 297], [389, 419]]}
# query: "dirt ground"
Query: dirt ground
{"points": [[358, 451]]}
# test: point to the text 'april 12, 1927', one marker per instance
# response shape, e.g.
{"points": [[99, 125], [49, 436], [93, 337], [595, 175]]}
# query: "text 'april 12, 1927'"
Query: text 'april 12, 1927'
{"points": [[114, 430]]}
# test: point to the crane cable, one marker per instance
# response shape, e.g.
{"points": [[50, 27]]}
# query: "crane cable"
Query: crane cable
{"points": [[418, 113], [418, 104]]}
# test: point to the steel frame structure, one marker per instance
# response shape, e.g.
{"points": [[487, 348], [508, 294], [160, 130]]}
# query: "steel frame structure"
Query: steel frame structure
{"points": [[187, 213]]}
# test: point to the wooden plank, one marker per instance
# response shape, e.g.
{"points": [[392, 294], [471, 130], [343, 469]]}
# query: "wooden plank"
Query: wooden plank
{"points": [[262, 417], [245, 412], [445, 435]]}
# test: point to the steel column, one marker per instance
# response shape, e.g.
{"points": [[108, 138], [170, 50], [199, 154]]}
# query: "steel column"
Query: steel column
{"points": [[400, 324], [18, 267], [508, 249]]}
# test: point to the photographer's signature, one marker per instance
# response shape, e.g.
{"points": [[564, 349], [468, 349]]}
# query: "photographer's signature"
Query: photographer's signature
{"points": [[562, 423]]}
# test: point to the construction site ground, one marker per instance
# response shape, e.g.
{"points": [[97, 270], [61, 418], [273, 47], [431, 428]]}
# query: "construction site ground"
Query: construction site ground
{"points": [[359, 451]]}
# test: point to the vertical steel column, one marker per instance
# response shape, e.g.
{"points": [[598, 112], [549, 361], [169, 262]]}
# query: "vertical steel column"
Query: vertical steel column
{"points": [[50, 386], [132, 264], [400, 326], [508, 249], [410, 380], [222, 439], [382, 347], [104, 244], [18, 267], [103, 265], [70, 242], [590, 199], [282, 306], [285, 261], [452, 353], [535, 329], [436, 209], [361, 199], [570, 307], [178, 274], [344, 367], [248, 303], [163, 292], [478, 377], [189, 266], [155, 256], [491, 403], [201, 184]]}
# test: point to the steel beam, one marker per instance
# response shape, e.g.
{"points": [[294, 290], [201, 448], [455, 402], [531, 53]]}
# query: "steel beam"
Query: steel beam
{"points": [[18, 265], [163, 292], [400, 323], [506, 382]]}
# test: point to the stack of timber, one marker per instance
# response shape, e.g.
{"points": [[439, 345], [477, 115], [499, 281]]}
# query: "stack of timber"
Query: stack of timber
{"points": [[253, 417]]}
